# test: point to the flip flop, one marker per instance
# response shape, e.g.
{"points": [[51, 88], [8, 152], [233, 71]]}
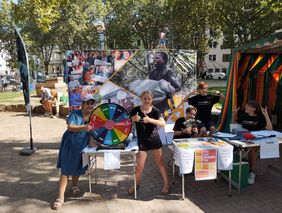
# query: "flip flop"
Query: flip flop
{"points": [[57, 204]]}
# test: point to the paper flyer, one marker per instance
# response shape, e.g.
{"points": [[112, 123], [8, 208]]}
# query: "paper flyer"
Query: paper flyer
{"points": [[205, 164], [186, 157], [112, 160], [225, 157]]}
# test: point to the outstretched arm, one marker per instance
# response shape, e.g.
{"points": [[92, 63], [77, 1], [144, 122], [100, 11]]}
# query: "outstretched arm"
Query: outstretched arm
{"points": [[268, 121], [78, 128], [194, 92]]}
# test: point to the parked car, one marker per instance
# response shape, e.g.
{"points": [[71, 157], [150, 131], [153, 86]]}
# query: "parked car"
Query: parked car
{"points": [[40, 78], [216, 75]]}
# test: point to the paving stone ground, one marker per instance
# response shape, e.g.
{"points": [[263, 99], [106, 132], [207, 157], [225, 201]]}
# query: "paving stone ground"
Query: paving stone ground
{"points": [[29, 183]]}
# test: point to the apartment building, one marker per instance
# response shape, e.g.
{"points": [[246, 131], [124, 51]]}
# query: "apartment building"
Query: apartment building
{"points": [[217, 59]]}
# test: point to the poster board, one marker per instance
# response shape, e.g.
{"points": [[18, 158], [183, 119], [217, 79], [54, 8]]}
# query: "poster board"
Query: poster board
{"points": [[120, 76]]}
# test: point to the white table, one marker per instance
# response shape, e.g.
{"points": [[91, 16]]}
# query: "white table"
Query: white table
{"points": [[247, 145], [89, 157], [174, 143]]}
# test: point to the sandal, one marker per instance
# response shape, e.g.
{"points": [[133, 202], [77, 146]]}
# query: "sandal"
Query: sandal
{"points": [[131, 190], [75, 190], [57, 204], [165, 191]]}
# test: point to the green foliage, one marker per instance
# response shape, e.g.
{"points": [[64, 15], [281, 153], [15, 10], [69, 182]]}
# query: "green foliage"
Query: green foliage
{"points": [[130, 20], [243, 21], [7, 38], [68, 24], [73, 24]]}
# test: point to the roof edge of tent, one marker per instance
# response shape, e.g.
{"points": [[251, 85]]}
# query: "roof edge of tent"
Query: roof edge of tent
{"points": [[258, 43]]}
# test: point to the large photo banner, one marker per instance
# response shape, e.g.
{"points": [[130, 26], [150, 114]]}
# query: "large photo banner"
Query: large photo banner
{"points": [[120, 76]]}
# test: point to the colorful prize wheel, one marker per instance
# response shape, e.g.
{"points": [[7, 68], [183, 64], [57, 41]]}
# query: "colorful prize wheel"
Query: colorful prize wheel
{"points": [[111, 122]]}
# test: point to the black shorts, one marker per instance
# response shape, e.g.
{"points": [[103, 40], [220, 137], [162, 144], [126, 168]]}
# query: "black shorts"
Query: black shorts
{"points": [[150, 146]]}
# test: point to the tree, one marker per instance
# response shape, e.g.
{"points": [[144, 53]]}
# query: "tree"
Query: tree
{"points": [[190, 21], [243, 21], [68, 24], [7, 37], [129, 20]]}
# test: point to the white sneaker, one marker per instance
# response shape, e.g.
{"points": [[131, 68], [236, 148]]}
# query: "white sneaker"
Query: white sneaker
{"points": [[251, 179]]}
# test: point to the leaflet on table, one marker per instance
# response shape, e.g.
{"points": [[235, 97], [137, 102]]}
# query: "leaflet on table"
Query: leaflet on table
{"points": [[269, 147], [184, 158], [224, 135], [112, 160], [225, 157], [195, 145], [205, 164], [262, 133]]}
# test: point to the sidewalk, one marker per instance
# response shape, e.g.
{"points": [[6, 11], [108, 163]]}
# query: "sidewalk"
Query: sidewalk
{"points": [[29, 183]]}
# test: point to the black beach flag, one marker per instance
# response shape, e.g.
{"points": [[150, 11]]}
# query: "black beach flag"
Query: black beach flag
{"points": [[24, 69]]}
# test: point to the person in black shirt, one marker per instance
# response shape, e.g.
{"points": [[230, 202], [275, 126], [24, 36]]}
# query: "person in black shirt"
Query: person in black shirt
{"points": [[254, 118], [204, 103], [188, 126], [147, 119]]}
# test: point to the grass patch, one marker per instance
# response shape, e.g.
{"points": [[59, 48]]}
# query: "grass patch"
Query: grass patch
{"points": [[13, 97], [4, 96]]}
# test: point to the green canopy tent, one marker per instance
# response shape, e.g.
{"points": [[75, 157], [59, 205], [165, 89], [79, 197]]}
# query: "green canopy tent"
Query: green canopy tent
{"points": [[254, 73]]}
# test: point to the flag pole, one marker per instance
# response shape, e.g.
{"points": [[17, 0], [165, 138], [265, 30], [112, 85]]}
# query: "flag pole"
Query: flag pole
{"points": [[25, 78]]}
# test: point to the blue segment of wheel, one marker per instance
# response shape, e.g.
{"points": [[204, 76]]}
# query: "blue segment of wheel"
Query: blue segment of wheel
{"points": [[122, 117], [118, 112], [112, 110], [99, 134], [108, 138]]}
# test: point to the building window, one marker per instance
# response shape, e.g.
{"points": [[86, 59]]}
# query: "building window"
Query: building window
{"points": [[216, 69], [212, 44], [224, 70], [226, 57], [212, 57], [210, 70]]}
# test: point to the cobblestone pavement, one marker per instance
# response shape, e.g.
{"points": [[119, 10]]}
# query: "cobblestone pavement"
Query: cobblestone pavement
{"points": [[29, 183]]}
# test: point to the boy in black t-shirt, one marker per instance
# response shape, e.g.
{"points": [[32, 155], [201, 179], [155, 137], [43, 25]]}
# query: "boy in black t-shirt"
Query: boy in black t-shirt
{"points": [[188, 126], [204, 103]]}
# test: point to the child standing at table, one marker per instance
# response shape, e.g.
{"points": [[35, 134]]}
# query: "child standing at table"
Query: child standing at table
{"points": [[148, 119], [254, 118], [74, 140]]}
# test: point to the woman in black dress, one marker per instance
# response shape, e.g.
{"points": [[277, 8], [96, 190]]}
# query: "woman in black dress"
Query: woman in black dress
{"points": [[148, 119]]}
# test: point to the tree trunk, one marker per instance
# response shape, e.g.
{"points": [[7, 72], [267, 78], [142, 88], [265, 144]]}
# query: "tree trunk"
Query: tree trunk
{"points": [[46, 65]]}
